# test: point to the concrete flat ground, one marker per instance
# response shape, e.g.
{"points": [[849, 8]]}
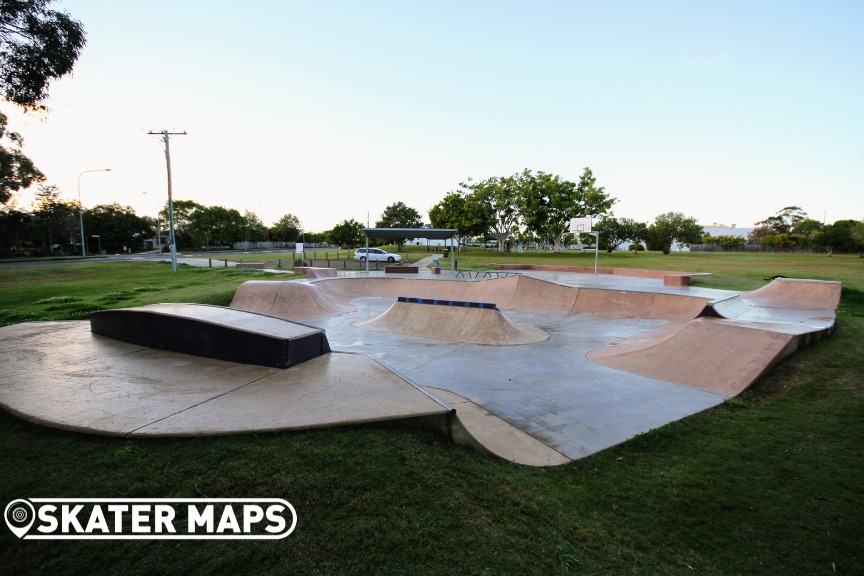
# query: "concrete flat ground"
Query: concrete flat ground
{"points": [[602, 376]]}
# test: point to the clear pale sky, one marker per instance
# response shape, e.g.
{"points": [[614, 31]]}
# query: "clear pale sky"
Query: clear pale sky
{"points": [[725, 111]]}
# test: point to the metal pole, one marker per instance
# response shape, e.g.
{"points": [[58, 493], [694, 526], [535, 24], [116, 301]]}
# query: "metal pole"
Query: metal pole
{"points": [[596, 249], [171, 238], [452, 256], [173, 241], [81, 209]]}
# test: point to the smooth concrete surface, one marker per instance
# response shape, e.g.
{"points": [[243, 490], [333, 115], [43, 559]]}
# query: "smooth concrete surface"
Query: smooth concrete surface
{"points": [[498, 437], [85, 382], [548, 390], [539, 404]]}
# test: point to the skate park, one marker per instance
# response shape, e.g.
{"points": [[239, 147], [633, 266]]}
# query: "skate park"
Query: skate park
{"points": [[539, 367]]}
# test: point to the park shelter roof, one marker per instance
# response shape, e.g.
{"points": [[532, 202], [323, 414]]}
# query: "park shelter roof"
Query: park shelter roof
{"points": [[397, 233]]}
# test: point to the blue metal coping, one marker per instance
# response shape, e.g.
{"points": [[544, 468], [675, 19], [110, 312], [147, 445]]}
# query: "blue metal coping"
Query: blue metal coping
{"points": [[456, 303]]}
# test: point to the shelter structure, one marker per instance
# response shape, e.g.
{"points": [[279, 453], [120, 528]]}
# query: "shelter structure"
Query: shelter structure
{"points": [[402, 233]]}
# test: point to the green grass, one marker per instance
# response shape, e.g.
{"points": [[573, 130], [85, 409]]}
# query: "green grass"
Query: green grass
{"points": [[767, 484], [735, 271], [71, 291]]}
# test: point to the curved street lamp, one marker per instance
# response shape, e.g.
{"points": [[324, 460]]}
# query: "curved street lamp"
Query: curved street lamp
{"points": [[81, 208]]}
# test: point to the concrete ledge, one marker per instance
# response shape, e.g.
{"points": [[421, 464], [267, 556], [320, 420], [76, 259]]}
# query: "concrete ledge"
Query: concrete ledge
{"points": [[674, 278], [213, 332], [401, 270], [681, 279], [321, 273]]}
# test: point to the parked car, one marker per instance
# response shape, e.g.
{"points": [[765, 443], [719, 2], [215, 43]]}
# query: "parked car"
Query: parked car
{"points": [[376, 255]]}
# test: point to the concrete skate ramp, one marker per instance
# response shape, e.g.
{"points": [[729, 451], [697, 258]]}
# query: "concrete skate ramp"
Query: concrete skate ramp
{"points": [[784, 300], [292, 300], [454, 324], [522, 293], [624, 304], [714, 355]]}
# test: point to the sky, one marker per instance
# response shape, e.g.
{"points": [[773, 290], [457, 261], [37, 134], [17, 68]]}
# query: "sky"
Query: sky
{"points": [[333, 110]]}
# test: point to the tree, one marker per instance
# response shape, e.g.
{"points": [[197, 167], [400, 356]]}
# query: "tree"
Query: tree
{"points": [[843, 236], [217, 226], [462, 212], [399, 215], [184, 214], [54, 220], [499, 198], [614, 232], [788, 227], [15, 228], [117, 227], [567, 202], [346, 234], [253, 228], [286, 229], [673, 227], [858, 237], [16, 170], [37, 45], [784, 221]]}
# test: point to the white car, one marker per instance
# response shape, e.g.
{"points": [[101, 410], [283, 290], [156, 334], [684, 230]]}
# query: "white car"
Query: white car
{"points": [[376, 255]]}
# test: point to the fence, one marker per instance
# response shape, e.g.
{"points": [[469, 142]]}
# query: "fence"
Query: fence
{"points": [[755, 248], [285, 245]]}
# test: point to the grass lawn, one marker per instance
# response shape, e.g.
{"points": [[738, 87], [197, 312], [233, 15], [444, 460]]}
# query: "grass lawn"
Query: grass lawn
{"points": [[769, 483]]}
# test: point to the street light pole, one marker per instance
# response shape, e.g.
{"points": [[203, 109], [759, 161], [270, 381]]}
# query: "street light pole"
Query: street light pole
{"points": [[171, 238], [158, 224], [81, 208]]}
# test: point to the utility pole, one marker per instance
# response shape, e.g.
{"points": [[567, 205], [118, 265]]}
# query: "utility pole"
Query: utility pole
{"points": [[173, 242]]}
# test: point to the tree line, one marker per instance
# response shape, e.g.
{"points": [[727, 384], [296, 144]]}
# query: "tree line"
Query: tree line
{"points": [[39, 45], [791, 227]]}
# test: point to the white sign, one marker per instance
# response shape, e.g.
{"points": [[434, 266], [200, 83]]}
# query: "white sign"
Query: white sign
{"points": [[299, 248]]}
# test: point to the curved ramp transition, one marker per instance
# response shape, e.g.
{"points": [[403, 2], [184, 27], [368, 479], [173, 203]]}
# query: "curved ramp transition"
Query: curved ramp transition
{"points": [[454, 323], [737, 340], [332, 297]]}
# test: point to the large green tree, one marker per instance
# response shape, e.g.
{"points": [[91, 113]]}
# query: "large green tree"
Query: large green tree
{"points": [[253, 228], [117, 227], [218, 226], [346, 234], [843, 236], [500, 199], [673, 227], [54, 220], [286, 229], [788, 227], [548, 203], [184, 230], [398, 215], [37, 45], [614, 232], [462, 212]]}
